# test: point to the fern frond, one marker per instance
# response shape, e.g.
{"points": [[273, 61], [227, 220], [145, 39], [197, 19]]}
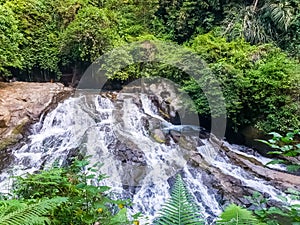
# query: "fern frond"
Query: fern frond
{"points": [[235, 215], [13, 212], [180, 208]]}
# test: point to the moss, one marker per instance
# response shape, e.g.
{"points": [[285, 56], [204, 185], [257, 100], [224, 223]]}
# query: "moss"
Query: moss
{"points": [[6, 142], [20, 128], [158, 139], [164, 114], [16, 135]]}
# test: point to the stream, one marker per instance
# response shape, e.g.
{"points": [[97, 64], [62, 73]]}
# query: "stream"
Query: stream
{"points": [[118, 131]]}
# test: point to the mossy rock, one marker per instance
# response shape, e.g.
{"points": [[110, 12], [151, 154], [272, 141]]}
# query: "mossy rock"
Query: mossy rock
{"points": [[5, 143], [159, 136], [16, 135], [21, 127]]}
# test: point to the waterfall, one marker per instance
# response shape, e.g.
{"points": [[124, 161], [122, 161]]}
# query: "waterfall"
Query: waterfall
{"points": [[117, 133]]}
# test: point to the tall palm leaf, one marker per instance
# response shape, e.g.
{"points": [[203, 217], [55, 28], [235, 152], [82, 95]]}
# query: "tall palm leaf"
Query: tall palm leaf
{"points": [[281, 14], [254, 29]]}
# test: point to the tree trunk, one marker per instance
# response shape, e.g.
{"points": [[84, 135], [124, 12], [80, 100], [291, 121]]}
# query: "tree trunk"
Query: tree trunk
{"points": [[255, 5], [74, 76]]}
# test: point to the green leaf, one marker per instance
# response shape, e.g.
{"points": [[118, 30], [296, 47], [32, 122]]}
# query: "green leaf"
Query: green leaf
{"points": [[91, 176], [235, 215], [104, 189], [13, 212], [81, 185], [275, 152], [286, 148], [120, 218], [276, 161], [276, 135], [286, 140], [293, 168]]}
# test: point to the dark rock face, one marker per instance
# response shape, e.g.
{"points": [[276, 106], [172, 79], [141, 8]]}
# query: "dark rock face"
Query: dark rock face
{"points": [[127, 152], [23, 103]]}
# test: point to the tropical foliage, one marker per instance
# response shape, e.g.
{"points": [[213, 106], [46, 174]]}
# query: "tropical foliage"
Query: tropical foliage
{"points": [[63, 196], [247, 45], [180, 208], [287, 147], [234, 214], [288, 213], [69, 195], [16, 212], [250, 76]]}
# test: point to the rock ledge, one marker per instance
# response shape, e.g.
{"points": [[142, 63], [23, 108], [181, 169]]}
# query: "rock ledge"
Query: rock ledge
{"points": [[22, 103]]}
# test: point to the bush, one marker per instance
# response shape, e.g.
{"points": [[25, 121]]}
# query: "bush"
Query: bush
{"points": [[260, 83], [87, 201]]}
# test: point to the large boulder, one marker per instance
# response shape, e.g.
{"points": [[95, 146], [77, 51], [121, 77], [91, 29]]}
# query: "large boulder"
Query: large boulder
{"points": [[23, 103]]}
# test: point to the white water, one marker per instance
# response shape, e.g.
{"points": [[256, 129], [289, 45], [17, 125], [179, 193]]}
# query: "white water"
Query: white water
{"points": [[94, 125], [235, 171]]}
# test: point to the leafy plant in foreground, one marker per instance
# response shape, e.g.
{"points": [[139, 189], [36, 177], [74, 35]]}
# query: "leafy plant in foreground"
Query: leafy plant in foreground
{"points": [[88, 202], [14, 212], [288, 213], [235, 215], [285, 146], [180, 208]]}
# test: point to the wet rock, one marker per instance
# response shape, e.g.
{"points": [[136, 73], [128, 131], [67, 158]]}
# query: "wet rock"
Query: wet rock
{"points": [[280, 180], [127, 153], [159, 136], [188, 142], [199, 142], [230, 187], [133, 174], [175, 135], [251, 134], [109, 94]]}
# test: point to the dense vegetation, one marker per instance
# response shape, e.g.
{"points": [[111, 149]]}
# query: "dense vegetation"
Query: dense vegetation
{"points": [[72, 195], [286, 148], [252, 47]]}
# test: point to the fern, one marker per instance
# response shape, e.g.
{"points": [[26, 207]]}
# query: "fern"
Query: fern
{"points": [[235, 215], [180, 208], [13, 212]]}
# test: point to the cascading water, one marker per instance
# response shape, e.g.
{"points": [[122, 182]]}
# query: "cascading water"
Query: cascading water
{"points": [[118, 134]]}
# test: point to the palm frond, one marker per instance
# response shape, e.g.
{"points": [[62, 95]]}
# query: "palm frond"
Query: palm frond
{"points": [[180, 209], [280, 13], [13, 212], [253, 27]]}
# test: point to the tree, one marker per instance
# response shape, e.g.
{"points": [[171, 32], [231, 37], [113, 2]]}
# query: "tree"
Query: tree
{"points": [[180, 20], [39, 47], [260, 21], [260, 83], [10, 40]]}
